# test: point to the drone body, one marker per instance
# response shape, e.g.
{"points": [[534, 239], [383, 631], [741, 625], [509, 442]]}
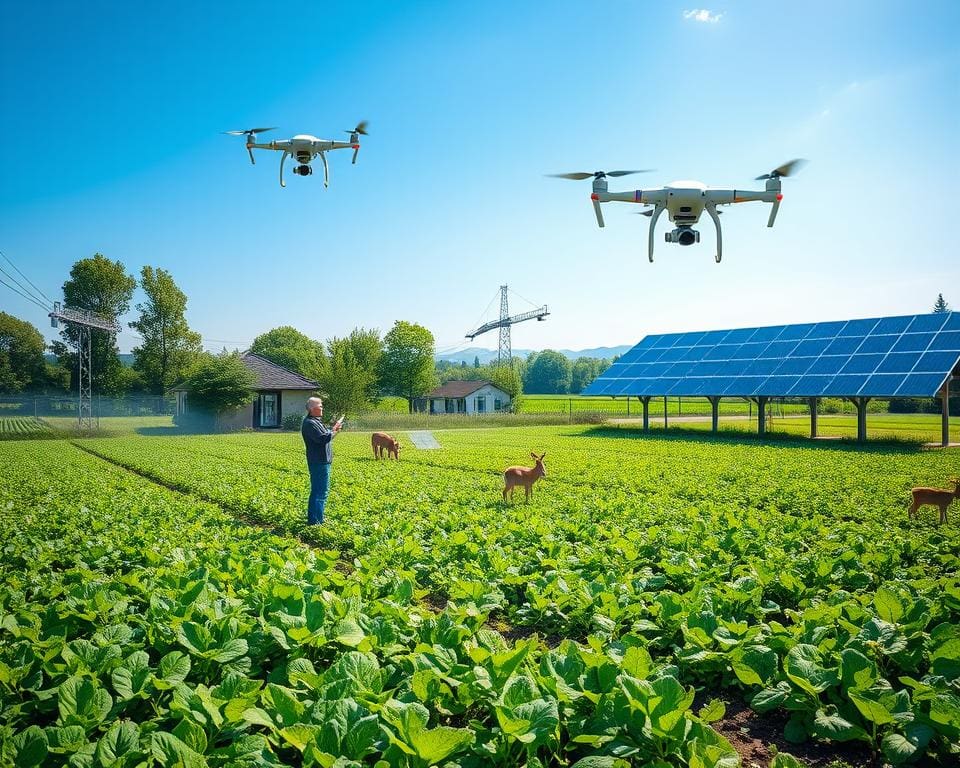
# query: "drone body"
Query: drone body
{"points": [[304, 148], [685, 201]]}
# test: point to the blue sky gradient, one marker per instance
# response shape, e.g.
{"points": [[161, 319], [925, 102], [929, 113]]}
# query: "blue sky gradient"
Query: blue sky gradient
{"points": [[113, 115]]}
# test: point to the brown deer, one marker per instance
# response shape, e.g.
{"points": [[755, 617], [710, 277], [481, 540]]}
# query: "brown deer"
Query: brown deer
{"points": [[938, 497], [525, 476], [384, 444]]}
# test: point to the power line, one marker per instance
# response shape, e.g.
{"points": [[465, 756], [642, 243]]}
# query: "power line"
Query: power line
{"points": [[24, 288], [24, 295], [49, 300]]}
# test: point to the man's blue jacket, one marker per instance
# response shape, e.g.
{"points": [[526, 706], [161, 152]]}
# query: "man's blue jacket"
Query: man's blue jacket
{"points": [[318, 440]]}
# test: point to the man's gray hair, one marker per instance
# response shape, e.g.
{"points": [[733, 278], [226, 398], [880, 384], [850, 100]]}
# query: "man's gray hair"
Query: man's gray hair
{"points": [[311, 401]]}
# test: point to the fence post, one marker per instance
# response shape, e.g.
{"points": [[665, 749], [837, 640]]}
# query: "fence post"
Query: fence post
{"points": [[570, 410]]}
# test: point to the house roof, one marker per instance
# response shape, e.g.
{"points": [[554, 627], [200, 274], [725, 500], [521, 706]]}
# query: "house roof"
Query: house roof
{"points": [[269, 375], [461, 388], [272, 376]]}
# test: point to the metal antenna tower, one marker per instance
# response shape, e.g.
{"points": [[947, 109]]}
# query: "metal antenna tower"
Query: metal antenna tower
{"points": [[505, 352], [85, 322]]}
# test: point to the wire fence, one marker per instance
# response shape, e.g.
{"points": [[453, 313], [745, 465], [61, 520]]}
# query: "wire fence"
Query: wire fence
{"points": [[66, 406]]}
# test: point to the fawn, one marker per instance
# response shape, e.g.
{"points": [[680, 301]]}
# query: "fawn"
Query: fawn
{"points": [[383, 443], [938, 497], [525, 476]]}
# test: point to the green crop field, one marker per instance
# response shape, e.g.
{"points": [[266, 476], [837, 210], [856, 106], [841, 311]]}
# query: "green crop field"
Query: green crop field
{"points": [[163, 603], [20, 427]]}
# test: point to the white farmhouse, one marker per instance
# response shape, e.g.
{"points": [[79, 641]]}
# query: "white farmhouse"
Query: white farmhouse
{"points": [[470, 397]]}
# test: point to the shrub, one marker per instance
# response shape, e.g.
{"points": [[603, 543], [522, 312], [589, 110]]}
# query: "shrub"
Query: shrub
{"points": [[291, 422]]}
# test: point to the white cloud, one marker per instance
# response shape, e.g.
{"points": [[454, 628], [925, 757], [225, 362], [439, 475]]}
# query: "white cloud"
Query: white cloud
{"points": [[703, 15]]}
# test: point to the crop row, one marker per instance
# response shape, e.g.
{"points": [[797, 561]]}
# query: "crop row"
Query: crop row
{"points": [[769, 572]]}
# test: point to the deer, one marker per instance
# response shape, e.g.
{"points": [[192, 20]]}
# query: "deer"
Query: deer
{"points": [[938, 497], [384, 444], [525, 476]]}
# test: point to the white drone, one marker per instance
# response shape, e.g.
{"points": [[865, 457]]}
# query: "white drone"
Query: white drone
{"points": [[684, 201], [304, 148]]}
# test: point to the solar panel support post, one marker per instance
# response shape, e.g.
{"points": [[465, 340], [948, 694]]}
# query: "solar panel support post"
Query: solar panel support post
{"points": [[860, 403], [945, 414], [813, 417], [664, 411], [714, 411], [762, 415], [646, 412]]}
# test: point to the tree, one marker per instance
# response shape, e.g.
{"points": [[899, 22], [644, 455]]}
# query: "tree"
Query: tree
{"points": [[103, 286], [584, 371], [22, 366], [349, 377], [476, 361], [508, 378], [940, 305], [293, 350], [406, 368], [549, 373], [169, 346], [218, 383]]}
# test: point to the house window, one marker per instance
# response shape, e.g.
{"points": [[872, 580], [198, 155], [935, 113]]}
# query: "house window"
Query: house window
{"points": [[481, 404], [268, 410], [497, 404], [462, 405]]}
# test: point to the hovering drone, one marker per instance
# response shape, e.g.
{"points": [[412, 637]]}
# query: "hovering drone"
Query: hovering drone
{"points": [[304, 148], [684, 201]]}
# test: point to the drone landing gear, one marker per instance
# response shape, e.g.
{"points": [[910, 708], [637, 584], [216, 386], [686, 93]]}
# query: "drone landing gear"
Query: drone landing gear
{"points": [[658, 209], [712, 210]]}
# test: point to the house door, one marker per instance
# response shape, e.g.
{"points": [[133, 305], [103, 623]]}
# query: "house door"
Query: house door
{"points": [[268, 409]]}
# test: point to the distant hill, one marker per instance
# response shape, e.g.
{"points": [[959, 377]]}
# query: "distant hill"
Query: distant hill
{"points": [[486, 355]]}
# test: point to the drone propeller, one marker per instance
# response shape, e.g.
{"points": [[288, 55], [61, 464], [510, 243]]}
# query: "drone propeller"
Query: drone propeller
{"points": [[784, 170], [361, 128], [595, 175], [249, 133]]}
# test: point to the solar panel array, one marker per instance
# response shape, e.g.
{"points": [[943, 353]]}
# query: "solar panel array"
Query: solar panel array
{"points": [[908, 356]]}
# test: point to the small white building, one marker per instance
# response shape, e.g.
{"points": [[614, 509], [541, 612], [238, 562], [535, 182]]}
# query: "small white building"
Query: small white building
{"points": [[279, 392], [470, 397]]}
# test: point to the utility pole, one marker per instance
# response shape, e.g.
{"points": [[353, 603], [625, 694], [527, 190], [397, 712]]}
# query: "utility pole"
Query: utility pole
{"points": [[505, 351], [86, 322]]}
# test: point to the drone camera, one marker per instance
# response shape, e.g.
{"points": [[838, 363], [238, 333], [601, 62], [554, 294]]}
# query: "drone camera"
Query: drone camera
{"points": [[303, 170], [682, 235]]}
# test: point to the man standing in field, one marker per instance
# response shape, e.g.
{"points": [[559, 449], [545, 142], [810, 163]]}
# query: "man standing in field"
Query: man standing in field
{"points": [[317, 439]]}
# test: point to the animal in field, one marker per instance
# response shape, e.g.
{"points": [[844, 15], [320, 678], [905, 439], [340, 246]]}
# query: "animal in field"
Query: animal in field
{"points": [[385, 446], [938, 497], [525, 476]]}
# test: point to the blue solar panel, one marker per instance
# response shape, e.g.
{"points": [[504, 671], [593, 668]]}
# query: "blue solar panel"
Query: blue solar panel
{"points": [[810, 386], [862, 364], [858, 328], [898, 362], [931, 362], [946, 340], [794, 366], [884, 384], [885, 357], [796, 332], [892, 325], [843, 345], [672, 354], [828, 364], [767, 334], [826, 330], [739, 335], [781, 348], [920, 384], [925, 323], [878, 343], [846, 385], [810, 347], [913, 342]]}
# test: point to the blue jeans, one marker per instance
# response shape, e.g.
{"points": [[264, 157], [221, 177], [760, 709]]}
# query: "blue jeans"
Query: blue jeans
{"points": [[319, 486]]}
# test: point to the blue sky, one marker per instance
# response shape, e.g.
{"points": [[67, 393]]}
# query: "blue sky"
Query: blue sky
{"points": [[113, 112]]}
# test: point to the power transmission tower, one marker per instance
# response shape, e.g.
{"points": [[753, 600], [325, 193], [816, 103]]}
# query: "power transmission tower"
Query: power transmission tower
{"points": [[86, 323], [505, 351]]}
